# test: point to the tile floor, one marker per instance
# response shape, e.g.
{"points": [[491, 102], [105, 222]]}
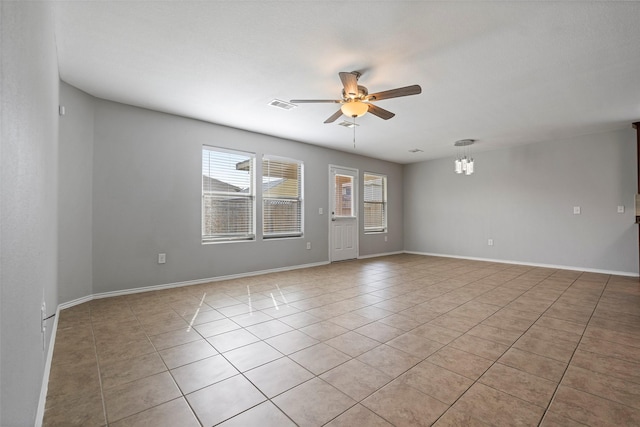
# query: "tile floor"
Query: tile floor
{"points": [[403, 340]]}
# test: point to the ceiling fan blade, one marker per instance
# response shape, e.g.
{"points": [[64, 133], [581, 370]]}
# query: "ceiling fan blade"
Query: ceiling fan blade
{"points": [[350, 83], [380, 112], [310, 101], [334, 117], [395, 93]]}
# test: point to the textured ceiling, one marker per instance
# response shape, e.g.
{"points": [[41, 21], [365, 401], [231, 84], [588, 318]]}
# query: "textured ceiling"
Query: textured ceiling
{"points": [[504, 73]]}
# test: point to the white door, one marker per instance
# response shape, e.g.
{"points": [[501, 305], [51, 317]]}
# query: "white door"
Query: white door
{"points": [[343, 202]]}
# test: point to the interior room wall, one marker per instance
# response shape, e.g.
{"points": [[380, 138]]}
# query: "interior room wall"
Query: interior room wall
{"points": [[147, 182], [28, 206], [523, 199], [75, 182]]}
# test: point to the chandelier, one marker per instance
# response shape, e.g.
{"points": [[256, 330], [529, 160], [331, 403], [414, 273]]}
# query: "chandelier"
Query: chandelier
{"points": [[464, 162]]}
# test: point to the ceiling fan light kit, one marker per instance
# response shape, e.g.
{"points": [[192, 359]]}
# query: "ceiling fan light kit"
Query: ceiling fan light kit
{"points": [[463, 164], [354, 108]]}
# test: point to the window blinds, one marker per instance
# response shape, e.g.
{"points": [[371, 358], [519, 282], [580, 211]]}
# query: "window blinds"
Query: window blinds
{"points": [[227, 195], [375, 202], [281, 197]]}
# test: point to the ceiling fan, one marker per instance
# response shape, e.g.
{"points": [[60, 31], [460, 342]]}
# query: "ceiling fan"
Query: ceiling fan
{"points": [[356, 100]]}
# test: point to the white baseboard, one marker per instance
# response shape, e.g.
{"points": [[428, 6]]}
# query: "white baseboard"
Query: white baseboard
{"points": [[530, 264], [77, 301], [379, 255], [185, 283], [206, 280]]}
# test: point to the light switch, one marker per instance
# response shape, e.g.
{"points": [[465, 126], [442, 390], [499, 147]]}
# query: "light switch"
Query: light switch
{"points": [[620, 209], [576, 210], [320, 211]]}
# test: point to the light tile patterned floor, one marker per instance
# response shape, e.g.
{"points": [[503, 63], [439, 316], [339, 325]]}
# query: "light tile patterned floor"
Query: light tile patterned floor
{"points": [[402, 340]]}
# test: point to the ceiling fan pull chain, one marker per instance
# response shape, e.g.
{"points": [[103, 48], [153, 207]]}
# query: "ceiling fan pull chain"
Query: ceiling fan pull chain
{"points": [[354, 132]]}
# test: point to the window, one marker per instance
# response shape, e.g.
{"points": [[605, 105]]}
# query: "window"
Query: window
{"points": [[228, 196], [375, 203], [281, 197]]}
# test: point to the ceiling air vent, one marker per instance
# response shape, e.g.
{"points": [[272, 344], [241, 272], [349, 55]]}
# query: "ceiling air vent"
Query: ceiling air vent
{"points": [[282, 104], [416, 150], [347, 124]]}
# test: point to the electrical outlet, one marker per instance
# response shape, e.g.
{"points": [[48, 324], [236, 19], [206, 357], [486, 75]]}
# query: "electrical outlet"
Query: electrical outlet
{"points": [[386, 239], [490, 242], [576, 210], [621, 209], [320, 211], [162, 258], [308, 245]]}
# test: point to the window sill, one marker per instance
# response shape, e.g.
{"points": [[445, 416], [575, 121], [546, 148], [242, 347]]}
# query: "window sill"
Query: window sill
{"points": [[284, 237], [216, 242]]}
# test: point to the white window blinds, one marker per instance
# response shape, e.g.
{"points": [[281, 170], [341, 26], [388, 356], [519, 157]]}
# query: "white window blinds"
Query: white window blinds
{"points": [[281, 197], [228, 195], [375, 202]]}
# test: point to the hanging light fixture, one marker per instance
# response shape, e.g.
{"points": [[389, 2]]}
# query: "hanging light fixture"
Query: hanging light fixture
{"points": [[463, 163]]}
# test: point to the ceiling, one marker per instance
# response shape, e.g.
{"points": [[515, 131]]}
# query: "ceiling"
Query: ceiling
{"points": [[503, 73]]}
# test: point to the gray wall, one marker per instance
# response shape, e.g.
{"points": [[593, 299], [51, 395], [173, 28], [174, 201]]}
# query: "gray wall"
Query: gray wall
{"points": [[28, 213], [75, 181], [523, 198], [147, 200]]}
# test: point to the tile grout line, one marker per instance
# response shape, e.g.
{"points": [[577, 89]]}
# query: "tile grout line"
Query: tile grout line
{"points": [[95, 349], [183, 396], [166, 366], [600, 373], [544, 415]]}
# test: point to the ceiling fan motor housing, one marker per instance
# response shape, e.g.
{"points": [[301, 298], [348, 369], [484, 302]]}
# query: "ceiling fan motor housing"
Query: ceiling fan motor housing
{"points": [[362, 93]]}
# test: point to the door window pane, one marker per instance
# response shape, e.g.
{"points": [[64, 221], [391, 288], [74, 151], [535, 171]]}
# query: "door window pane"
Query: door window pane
{"points": [[344, 195]]}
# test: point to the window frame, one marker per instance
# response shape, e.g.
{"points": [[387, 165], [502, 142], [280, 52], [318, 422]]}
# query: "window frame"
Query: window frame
{"points": [[265, 198], [384, 228], [251, 196]]}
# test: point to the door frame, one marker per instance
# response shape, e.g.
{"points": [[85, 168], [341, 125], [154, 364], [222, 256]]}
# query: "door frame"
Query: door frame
{"points": [[356, 205]]}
